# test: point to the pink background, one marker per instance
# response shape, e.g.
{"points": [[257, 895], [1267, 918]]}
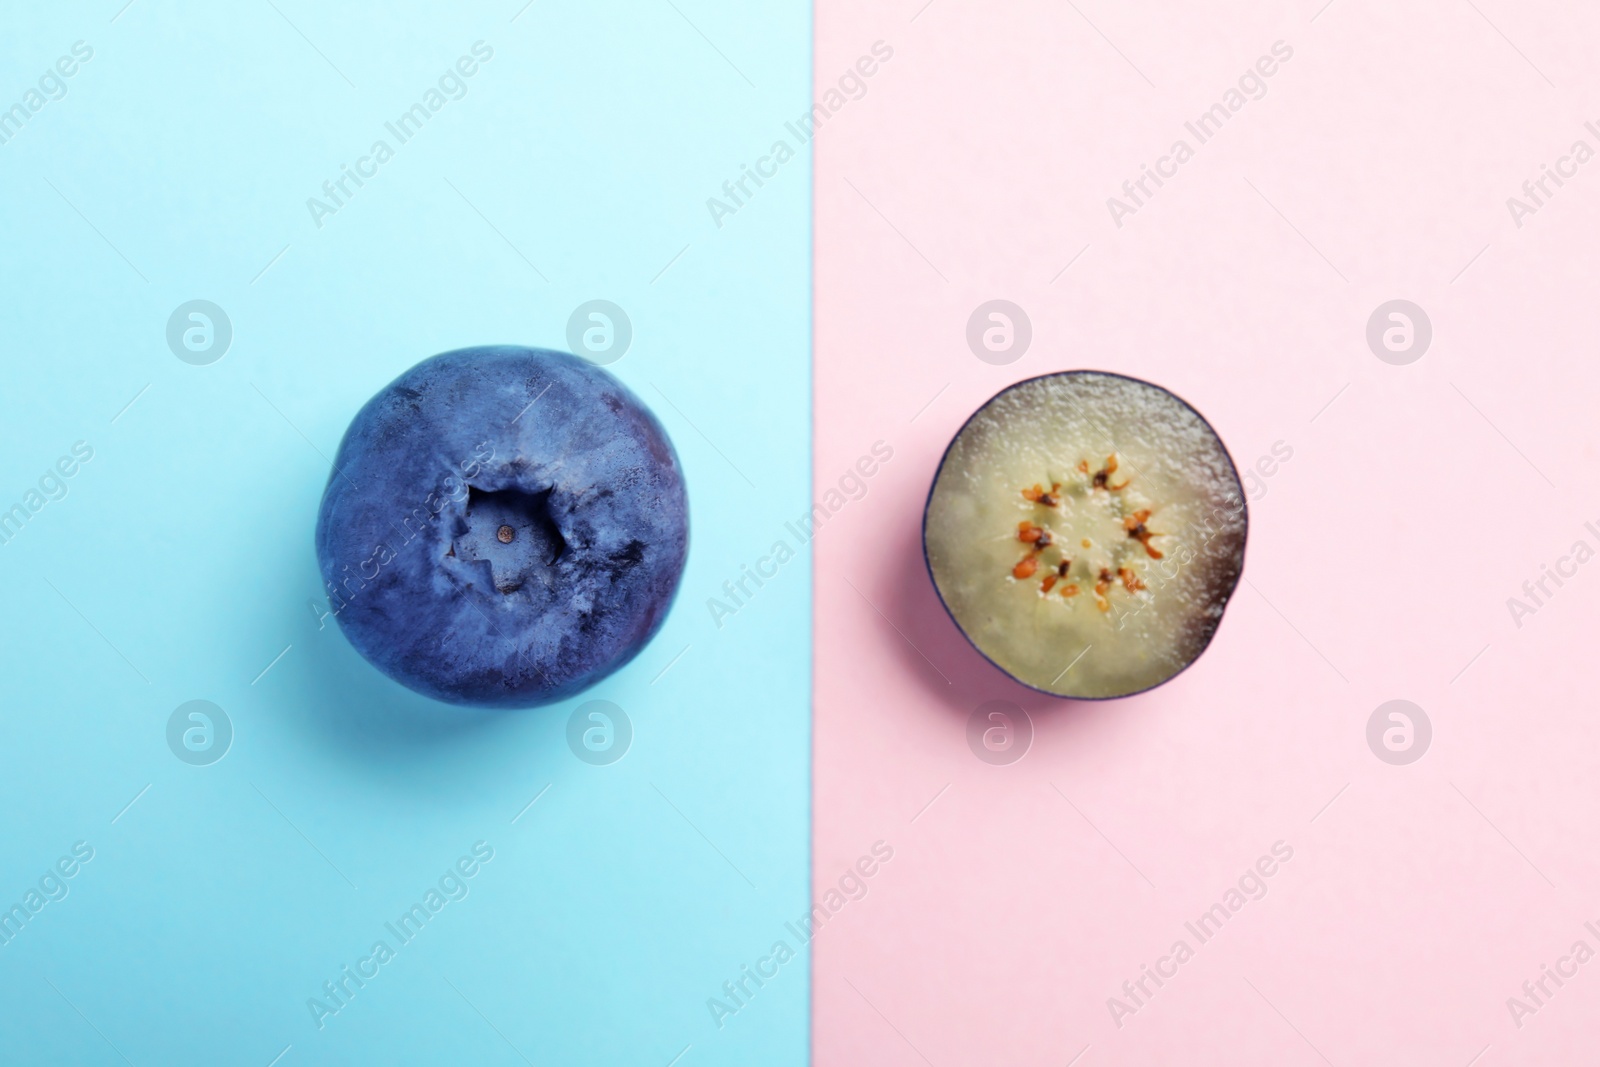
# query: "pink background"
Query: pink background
{"points": [[1380, 558]]}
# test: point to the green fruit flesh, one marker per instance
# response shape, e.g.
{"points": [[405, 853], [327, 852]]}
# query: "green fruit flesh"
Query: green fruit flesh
{"points": [[1051, 464]]}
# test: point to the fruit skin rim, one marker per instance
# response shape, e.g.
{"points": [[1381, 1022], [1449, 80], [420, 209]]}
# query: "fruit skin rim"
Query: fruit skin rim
{"points": [[1244, 511]]}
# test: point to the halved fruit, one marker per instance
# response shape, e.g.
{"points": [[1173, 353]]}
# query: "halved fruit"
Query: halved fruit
{"points": [[1085, 531]]}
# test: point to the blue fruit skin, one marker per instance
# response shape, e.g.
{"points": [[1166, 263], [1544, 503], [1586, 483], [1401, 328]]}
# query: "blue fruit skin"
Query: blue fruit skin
{"points": [[461, 445]]}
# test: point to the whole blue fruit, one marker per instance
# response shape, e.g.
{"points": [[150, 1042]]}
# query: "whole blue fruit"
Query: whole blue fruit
{"points": [[503, 526]]}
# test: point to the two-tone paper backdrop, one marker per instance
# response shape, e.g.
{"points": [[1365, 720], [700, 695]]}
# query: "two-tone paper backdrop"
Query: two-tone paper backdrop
{"points": [[970, 905], [1372, 164], [572, 164]]}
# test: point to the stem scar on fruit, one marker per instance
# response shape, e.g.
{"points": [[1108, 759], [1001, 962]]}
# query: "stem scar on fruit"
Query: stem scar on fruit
{"points": [[505, 534]]}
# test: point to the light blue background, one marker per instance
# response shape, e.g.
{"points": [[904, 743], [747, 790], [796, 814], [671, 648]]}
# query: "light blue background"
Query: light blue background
{"points": [[223, 899]]}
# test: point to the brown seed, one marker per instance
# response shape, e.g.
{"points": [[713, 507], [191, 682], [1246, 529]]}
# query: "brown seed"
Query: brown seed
{"points": [[505, 534]]}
